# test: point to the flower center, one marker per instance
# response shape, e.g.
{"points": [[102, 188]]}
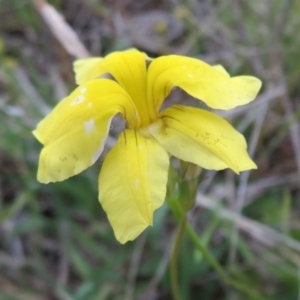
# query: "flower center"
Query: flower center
{"points": [[154, 126]]}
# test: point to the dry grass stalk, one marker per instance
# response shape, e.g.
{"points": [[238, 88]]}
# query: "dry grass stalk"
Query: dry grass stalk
{"points": [[61, 30]]}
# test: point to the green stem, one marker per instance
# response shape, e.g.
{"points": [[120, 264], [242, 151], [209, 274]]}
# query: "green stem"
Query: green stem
{"points": [[210, 258], [174, 259]]}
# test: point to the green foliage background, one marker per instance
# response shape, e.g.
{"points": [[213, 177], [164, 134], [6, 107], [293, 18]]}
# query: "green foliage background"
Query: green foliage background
{"points": [[55, 240]]}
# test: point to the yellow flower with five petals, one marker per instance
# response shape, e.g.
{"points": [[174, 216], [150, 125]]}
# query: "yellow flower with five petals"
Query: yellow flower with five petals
{"points": [[133, 178]]}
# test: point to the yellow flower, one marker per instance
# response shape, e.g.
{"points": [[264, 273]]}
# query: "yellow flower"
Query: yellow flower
{"points": [[133, 178]]}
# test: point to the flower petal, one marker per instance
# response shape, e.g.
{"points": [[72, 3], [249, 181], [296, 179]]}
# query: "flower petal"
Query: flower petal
{"points": [[87, 69], [221, 69], [90, 68], [132, 183], [74, 133], [212, 85], [203, 138], [129, 70]]}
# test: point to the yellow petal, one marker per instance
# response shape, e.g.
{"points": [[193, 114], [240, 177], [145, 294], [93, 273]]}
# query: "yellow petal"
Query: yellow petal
{"points": [[221, 69], [132, 184], [90, 68], [87, 69], [212, 85], [129, 70], [203, 138], [74, 133]]}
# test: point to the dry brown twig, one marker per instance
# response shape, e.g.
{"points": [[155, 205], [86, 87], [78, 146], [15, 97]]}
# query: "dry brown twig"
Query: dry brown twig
{"points": [[61, 29], [258, 231]]}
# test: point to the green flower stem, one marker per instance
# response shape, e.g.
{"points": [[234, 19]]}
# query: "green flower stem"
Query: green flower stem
{"points": [[174, 258], [206, 254], [180, 204]]}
